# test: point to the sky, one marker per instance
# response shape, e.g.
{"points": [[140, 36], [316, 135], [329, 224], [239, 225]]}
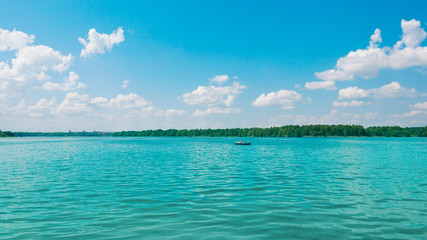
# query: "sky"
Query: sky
{"points": [[136, 65]]}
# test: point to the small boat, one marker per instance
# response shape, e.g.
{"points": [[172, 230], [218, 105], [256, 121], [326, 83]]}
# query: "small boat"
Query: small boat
{"points": [[242, 143]]}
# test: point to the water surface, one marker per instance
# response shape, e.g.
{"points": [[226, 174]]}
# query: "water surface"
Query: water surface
{"points": [[208, 188]]}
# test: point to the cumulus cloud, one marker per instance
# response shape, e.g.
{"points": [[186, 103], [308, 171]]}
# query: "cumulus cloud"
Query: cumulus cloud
{"points": [[14, 40], [218, 99], [375, 38], [352, 103], [138, 105], [131, 100], [422, 105], [220, 78], [32, 65], [334, 75], [367, 63], [77, 105], [413, 34], [101, 101], [42, 108], [214, 95], [285, 99], [98, 43], [70, 83], [135, 105], [328, 85], [353, 92], [74, 104], [122, 101], [391, 90]]}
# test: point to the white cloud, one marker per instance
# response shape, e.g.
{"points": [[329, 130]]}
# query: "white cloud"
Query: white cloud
{"points": [[220, 78], [77, 104], [219, 99], [125, 84], [97, 43], [70, 83], [74, 104], [286, 99], [216, 110], [131, 100], [352, 103], [100, 101], [352, 92], [14, 40], [334, 75], [393, 90], [138, 105], [413, 34], [375, 38], [31, 67], [42, 108], [409, 114], [40, 59], [328, 85], [419, 105], [135, 106], [367, 63], [213, 95], [32, 63], [412, 113]]}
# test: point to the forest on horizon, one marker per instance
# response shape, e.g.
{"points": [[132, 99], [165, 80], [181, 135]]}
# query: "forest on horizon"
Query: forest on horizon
{"points": [[284, 131]]}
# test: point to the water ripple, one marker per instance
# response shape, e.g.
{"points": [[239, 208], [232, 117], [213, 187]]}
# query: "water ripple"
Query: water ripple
{"points": [[206, 188]]}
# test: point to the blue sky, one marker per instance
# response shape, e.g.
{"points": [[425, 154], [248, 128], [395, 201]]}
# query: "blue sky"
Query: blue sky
{"points": [[131, 65]]}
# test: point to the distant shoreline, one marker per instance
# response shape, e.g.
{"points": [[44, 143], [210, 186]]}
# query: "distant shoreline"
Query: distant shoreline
{"points": [[284, 131]]}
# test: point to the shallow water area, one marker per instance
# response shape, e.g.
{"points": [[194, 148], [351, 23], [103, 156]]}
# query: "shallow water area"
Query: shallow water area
{"points": [[209, 188]]}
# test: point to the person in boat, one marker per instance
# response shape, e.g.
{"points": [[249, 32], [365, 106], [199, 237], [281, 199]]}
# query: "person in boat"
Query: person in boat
{"points": [[240, 141]]}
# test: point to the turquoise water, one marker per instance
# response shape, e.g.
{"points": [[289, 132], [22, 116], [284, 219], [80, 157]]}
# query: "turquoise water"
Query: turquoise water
{"points": [[208, 188]]}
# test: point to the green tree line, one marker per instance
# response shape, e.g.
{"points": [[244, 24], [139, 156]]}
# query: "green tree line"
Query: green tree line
{"points": [[6, 134], [285, 131]]}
